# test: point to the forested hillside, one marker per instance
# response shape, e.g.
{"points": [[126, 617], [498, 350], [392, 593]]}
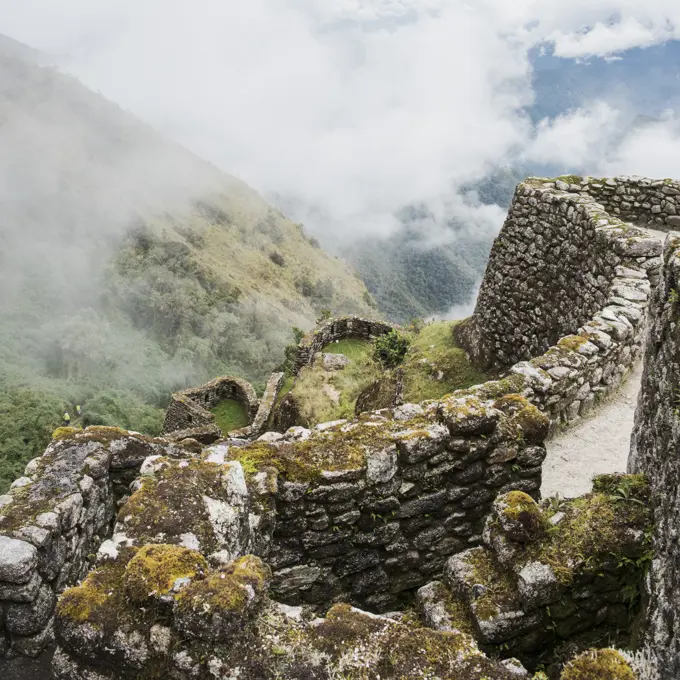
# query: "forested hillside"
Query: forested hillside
{"points": [[130, 268], [410, 277]]}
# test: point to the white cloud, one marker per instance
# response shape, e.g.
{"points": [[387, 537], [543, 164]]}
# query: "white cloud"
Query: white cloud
{"points": [[356, 106], [574, 139]]}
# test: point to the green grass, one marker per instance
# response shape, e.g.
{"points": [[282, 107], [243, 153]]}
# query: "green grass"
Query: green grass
{"points": [[313, 384], [230, 415], [436, 365], [355, 349], [286, 387]]}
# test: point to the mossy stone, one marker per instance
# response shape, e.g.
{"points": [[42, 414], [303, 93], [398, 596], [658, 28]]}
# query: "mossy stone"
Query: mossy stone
{"points": [[155, 569], [603, 664]]}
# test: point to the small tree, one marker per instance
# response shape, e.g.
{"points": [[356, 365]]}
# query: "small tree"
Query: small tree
{"points": [[324, 315], [390, 349]]}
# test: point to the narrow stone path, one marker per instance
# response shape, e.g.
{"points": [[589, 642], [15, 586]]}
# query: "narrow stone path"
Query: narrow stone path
{"points": [[598, 444]]}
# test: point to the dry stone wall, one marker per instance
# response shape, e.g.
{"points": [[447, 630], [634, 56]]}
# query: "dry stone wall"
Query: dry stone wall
{"points": [[544, 576], [190, 409], [337, 329], [655, 451], [641, 201], [368, 535], [54, 519], [362, 510], [564, 300]]}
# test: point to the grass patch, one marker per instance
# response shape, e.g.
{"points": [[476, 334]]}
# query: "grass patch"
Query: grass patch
{"points": [[355, 349], [323, 395], [230, 415], [436, 365]]}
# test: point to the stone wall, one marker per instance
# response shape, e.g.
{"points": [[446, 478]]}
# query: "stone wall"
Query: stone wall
{"points": [[368, 534], [564, 299], [655, 451], [191, 408], [363, 510], [645, 202], [546, 575], [53, 520], [337, 329]]}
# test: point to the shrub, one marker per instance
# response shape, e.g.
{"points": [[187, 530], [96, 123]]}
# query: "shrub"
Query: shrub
{"points": [[277, 259], [390, 349]]}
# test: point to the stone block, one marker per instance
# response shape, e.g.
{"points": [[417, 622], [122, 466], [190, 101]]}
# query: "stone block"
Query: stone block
{"points": [[18, 559]]}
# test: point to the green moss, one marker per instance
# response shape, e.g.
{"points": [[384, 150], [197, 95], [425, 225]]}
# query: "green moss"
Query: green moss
{"points": [[522, 508], [499, 585], [100, 600], [572, 342], [155, 568], [330, 450], [64, 433], [458, 610], [569, 179], [636, 485], [597, 528], [230, 415], [494, 389], [600, 664], [436, 365], [534, 424], [226, 590]]}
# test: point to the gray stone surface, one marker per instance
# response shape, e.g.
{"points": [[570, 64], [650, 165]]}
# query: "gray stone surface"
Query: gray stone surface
{"points": [[655, 451], [563, 302], [17, 560]]}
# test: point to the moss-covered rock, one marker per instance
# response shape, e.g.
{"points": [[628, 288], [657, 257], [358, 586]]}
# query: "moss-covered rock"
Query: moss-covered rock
{"points": [[189, 497], [519, 516], [526, 422], [156, 570], [64, 433], [216, 608], [344, 446], [598, 664]]}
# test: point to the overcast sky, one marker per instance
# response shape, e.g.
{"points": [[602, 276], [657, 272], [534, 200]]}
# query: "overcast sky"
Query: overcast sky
{"points": [[357, 107]]}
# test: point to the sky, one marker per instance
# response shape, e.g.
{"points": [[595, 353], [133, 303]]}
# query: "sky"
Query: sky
{"points": [[352, 109]]}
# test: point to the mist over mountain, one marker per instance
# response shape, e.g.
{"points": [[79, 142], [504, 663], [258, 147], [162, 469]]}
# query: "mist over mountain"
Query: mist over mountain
{"points": [[391, 132], [130, 268]]}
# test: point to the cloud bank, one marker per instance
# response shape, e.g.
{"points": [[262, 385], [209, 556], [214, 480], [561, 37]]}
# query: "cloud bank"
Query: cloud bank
{"points": [[352, 109]]}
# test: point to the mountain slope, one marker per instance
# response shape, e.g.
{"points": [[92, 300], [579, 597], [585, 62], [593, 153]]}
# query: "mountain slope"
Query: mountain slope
{"points": [[129, 267]]}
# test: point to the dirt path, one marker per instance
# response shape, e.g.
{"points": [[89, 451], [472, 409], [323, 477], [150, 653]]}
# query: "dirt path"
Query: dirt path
{"points": [[598, 444]]}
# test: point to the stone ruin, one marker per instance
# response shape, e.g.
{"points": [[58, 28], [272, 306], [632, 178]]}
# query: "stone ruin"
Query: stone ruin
{"points": [[336, 329], [189, 410], [408, 542]]}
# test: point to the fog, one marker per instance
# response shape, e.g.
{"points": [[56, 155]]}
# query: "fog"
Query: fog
{"points": [[342, 113]]}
